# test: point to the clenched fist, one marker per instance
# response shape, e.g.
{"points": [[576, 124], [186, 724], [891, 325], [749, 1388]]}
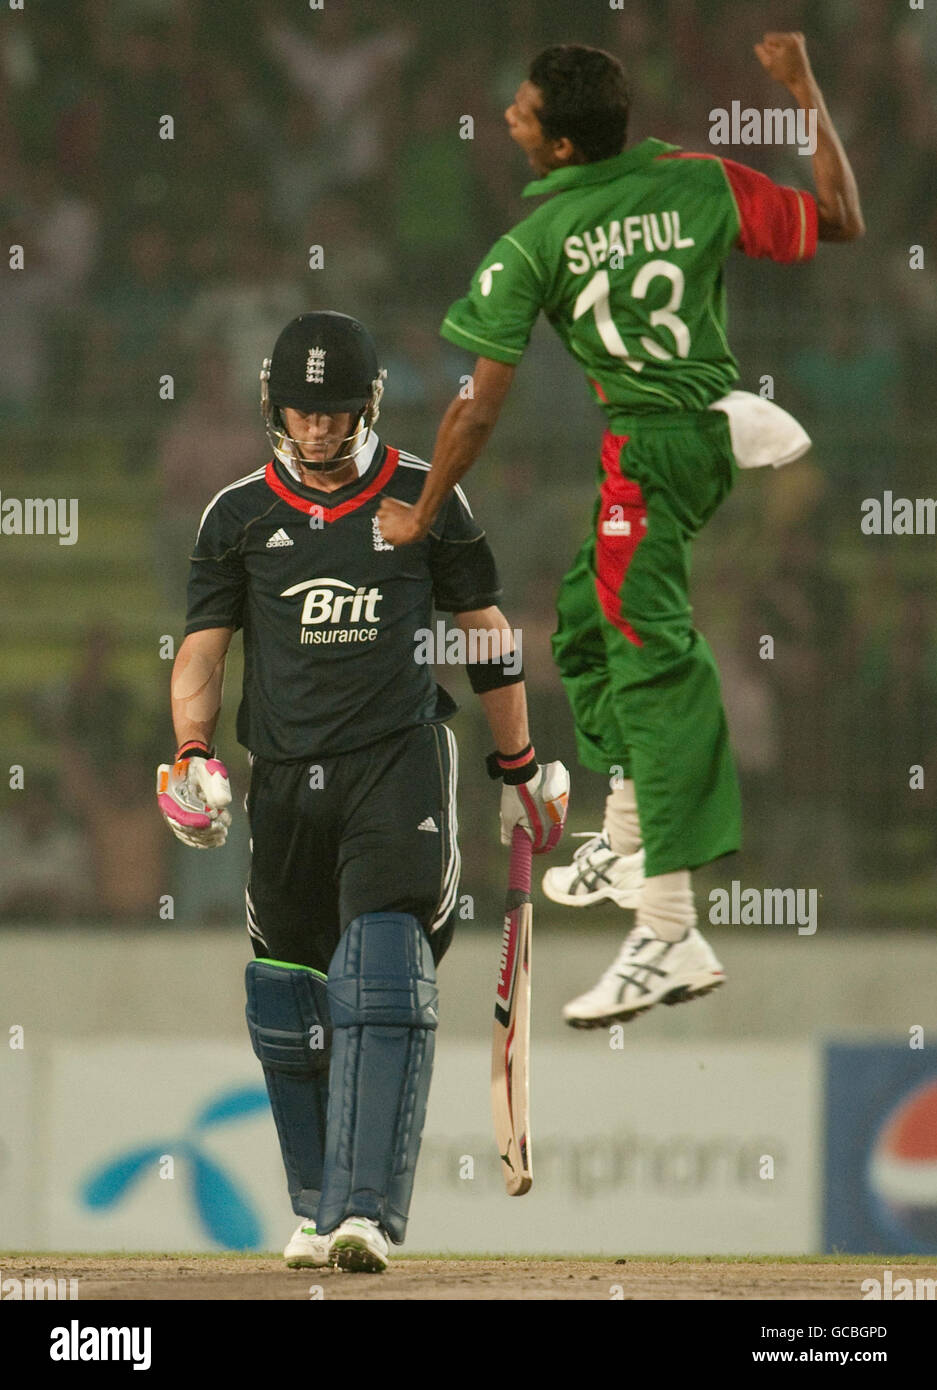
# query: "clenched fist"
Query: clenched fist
{"points": [[398, 524], [784, 57]]}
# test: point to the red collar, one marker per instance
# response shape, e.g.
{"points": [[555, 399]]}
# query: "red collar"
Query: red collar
{"points": [[303, 504]]}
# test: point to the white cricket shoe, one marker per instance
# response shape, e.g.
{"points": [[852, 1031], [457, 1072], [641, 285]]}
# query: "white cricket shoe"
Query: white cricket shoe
{"points": [[359, 1246], [596, 872], [306, 1249], [647, 971]]}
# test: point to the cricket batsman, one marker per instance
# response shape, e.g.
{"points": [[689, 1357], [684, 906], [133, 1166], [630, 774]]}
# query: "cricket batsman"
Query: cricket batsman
{"points": [[354, 873], [625, 259]]}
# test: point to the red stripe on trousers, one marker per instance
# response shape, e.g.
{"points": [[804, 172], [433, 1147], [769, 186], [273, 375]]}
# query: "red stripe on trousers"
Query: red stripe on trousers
{"points": [[622, 525]]}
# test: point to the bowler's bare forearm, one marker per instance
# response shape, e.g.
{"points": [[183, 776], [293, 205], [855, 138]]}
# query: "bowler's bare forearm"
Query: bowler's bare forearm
{"points": [[465, 430], [197, 684], [840, 214], [784, 57]]}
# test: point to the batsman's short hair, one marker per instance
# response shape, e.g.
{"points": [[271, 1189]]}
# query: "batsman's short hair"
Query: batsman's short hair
{"points": [[585, 98]]}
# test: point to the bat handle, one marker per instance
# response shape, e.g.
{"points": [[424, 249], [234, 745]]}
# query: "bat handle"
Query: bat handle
{"points": [[521, 859]]}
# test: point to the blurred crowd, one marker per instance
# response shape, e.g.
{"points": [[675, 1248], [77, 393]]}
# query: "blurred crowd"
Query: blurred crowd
{"points": [[169, 167]]}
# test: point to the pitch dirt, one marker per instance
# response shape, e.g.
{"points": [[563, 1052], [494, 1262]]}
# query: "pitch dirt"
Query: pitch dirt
{"points": [[242, 1277]]}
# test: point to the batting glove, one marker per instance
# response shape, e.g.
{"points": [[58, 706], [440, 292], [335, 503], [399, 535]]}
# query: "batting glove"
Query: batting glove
{"points": [[192, 796], [534, 797]]}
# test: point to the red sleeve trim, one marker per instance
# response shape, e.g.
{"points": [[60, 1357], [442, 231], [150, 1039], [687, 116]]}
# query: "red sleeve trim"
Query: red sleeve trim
{"points": [[775, 222]]}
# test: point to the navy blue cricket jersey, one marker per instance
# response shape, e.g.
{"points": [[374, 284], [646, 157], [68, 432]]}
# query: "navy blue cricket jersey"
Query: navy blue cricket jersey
{"points": [[329, 609]]}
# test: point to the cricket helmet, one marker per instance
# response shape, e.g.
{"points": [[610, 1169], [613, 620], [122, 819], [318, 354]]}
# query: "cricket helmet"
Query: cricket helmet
{"points": [[323, 363]]}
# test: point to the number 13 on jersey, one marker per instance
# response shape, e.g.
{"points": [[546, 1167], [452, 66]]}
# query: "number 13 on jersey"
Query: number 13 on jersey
{"points": [[596, 296]]}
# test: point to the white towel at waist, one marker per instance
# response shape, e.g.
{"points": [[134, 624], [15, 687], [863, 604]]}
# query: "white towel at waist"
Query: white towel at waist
{"points": [[761, 431]]}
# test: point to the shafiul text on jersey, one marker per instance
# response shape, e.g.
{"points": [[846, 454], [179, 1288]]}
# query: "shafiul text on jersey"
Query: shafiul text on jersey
{"points": [[647, 231]]}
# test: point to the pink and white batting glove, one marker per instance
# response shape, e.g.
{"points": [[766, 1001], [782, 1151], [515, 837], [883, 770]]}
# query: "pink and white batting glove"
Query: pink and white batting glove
{"points": [[193, 794], [534, 797]]}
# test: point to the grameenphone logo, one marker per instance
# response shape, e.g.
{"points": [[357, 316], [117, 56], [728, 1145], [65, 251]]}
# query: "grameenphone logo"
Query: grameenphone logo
{"points": [[224, 1210]]}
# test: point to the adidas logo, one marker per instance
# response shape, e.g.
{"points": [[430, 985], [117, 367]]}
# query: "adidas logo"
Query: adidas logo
{"points": [[429, 824], [278, 539], [379, 543]]}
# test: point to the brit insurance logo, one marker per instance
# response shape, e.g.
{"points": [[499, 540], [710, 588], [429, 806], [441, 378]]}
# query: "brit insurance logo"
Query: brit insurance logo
{"points": [[335, 612]]}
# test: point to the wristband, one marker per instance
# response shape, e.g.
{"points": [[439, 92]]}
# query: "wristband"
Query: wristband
{"points": [[490, 675], [512, 768], [194, 748]]}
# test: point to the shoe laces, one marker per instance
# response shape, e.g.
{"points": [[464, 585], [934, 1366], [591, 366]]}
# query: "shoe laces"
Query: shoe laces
{"points": [[594, 839], [625, 962], [635, 941]]}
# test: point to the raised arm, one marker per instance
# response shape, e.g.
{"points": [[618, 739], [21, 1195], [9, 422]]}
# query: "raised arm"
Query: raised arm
{"points": [[463, 433], [784, 57]]}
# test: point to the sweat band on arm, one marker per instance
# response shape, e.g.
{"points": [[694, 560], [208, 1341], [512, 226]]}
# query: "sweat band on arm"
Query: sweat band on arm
{"points": [[194, 748], [512, 768], [490, 675]]}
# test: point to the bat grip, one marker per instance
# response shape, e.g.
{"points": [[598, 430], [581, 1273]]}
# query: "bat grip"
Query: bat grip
{"points": [[521, 858]]}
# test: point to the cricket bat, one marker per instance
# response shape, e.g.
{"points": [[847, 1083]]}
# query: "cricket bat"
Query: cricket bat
{"points": [[510, 1046]]}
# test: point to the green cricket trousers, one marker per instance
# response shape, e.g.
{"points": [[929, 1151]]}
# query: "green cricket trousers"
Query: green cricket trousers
{"points": [[642, 682]]}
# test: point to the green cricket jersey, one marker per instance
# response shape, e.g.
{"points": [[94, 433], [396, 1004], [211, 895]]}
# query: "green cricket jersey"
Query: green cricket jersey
{"points": [[626, 261]]}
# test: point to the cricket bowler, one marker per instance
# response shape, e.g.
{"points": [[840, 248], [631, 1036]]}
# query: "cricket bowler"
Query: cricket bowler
{"points": [[625, 259], [354, 873]]}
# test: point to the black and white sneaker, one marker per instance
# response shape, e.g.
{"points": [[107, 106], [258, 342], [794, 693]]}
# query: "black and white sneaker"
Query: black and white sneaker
{"points": [[647, 971], [596, 872]]}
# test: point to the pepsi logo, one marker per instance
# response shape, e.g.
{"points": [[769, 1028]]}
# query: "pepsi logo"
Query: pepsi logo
{"points": [[902, 1171]]}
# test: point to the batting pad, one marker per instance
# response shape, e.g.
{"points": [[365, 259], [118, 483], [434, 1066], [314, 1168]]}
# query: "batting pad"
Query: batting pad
{"points": [[382, 1002], [288, 1020]]}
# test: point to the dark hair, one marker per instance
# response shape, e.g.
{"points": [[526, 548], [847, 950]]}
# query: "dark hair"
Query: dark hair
{"points": [[585, 98]]}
